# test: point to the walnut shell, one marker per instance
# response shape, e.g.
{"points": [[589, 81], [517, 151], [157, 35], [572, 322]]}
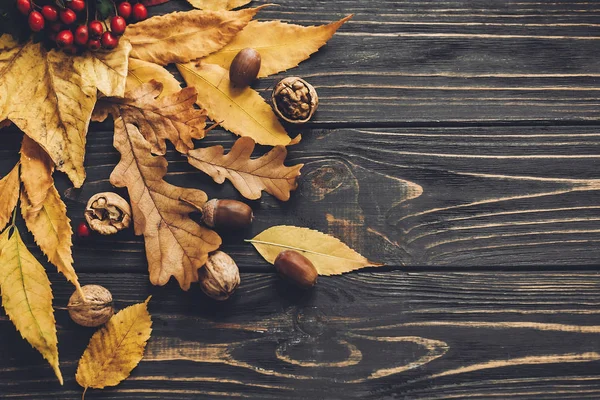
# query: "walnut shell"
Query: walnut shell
{"points": [[294, 100], [97, 308], [107, 213], [220, 276]]}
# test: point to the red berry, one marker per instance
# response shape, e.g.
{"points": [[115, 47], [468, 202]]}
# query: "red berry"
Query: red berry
{"points": [[56, 27], [36, 21], [82, 230], [124, 9], [76, 5], [117, 25], [81, 35], [96, 29], [64, 38], [109, 41], [140, 12], [24, 6], [50, 13], [94, 44], [68, 16]]}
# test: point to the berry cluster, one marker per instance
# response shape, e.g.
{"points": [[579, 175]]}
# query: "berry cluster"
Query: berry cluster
{"points": [[67, 24]]}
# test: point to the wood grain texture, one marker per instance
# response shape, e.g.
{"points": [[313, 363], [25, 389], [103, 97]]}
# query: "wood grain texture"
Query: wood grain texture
{"points": [[365, 335]]}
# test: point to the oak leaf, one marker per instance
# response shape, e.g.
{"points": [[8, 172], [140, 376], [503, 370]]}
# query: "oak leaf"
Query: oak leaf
{"points": [[184, 36], [239, 110], [249, 176], [9, 188], [116, 348], [175, 244], [43, 210], [27, 297], [328, 254], [216, 5], [173, 117], [143, 71], [50, 96], [281, 46]]}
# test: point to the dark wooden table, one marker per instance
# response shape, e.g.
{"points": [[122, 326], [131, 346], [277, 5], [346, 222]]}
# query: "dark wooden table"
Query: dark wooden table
{"points": [[456, 141]]}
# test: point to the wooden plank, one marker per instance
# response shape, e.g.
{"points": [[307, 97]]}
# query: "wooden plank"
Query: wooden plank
{"points": [[405, 62], [375, 335]]}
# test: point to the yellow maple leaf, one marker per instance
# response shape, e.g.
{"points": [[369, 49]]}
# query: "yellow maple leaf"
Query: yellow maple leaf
{"points": [[50, 95], [175, 244], [241, 110], [184, 36], [9, 188], [216, 5], [143, 71], [27, 297], [249, 176], [328, 254], [172, 117], [281, 46], [44, 212], [116, 348]]}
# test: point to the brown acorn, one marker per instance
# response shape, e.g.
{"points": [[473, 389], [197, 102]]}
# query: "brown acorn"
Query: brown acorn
{"points": [[227, 214], [296, 269], [244, 67]]}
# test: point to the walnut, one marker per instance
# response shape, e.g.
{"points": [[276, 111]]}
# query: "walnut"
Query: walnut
{"points": [[107, 213], [295, 100], [220, 276], [95, 310]]}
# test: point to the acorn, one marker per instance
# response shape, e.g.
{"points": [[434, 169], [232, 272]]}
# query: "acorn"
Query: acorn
{"points": [[244, 67], [227, 214], [296, 269]]}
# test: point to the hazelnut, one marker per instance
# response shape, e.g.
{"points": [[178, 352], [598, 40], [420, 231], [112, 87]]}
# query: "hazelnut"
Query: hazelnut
{"points": [[296, 268], [227, 214], [244, 67], [220, 276], [95, 310], [295, 100], [107, 213]]}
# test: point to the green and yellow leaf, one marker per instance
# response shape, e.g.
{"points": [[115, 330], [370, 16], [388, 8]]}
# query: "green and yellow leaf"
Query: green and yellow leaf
{"points": [[27, 298], [328, 254]]}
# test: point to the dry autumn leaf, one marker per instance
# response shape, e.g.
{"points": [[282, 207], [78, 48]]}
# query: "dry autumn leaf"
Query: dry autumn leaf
{"points": [[9, 187], [50, 96], [44, 211], [4, 124], [27, 297], [273, 40], [216, 5], [249, 176], [241, 110], [184, 36], [175, 244], [116, 348], [329, 255], [173, 117], [143, 71]]}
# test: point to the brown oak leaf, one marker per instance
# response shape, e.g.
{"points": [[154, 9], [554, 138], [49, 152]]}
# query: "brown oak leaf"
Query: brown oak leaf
{"points": [[184, 36], [173, 117], [249, 176], [143, 71], [50, 95], [175, 244]]}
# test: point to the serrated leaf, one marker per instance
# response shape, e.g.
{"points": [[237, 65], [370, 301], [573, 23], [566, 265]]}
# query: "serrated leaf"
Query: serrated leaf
{"points": [[27, 298], [216, 5], [143, 71], [281, 46], [172, 118], [116, 348], [44, 211], [175, 244], [249, 176], [329, 255], [184, 36], [9, 188], [239, 110], [50, 96]]}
